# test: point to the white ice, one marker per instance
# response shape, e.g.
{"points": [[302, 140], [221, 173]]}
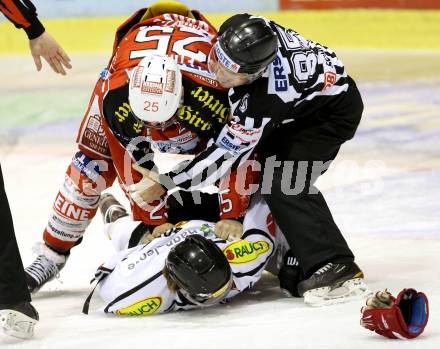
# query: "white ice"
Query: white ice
{"points": [[383, 190]]}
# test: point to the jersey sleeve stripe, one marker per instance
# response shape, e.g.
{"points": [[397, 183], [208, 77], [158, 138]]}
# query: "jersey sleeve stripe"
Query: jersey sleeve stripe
{"points": [[253, 271], [14, 13]]}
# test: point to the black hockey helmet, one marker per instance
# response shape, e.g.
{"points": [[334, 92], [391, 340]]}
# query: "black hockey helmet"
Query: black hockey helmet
{"points": [[248, 42], [200, 269]]}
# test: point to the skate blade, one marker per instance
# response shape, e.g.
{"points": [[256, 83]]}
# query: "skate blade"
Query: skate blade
{"points": [[17, 324], [350, 290]]}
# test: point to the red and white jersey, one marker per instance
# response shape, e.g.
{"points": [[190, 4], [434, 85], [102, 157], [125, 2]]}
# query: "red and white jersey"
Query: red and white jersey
{"points": [[205, 108], [187, 40], [133, 283], [176, 139]]}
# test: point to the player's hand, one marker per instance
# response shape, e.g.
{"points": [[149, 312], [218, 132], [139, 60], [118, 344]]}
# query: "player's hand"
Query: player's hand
{"points": [[45, 46], [148, 189], [160, 229], [157, 231], [404, 317], [229, 229]]}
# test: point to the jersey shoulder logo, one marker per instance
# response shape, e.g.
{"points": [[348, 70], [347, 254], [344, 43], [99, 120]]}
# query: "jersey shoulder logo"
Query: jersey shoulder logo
{"points": [[144, 307], [244, 103], [244, 251]]}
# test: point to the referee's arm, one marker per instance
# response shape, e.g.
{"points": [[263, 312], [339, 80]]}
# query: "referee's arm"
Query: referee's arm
{"points": [[234, 144], [24, 15]]}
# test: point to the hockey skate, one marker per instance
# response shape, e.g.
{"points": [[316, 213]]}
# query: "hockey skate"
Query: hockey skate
{"points": [[334, 283], [111, 209], [18, 320], [44, 268]]}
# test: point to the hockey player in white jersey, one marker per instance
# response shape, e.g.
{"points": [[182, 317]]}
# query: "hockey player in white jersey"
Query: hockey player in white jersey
{"points": [[186, 267]]}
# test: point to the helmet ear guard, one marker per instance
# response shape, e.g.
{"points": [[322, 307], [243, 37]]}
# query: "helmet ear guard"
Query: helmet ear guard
{"points": [[155, 90]]}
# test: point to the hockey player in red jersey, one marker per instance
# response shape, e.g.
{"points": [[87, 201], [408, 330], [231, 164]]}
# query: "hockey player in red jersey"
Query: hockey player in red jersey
{"points": [[120, 128]]}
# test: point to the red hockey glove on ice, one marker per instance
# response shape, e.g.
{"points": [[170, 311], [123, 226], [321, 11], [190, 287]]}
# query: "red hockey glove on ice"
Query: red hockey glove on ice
{"points": [[404, 317]]}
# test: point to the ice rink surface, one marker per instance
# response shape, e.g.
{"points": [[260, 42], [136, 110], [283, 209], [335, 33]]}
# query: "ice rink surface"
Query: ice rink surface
{"points": [[383, 190]]}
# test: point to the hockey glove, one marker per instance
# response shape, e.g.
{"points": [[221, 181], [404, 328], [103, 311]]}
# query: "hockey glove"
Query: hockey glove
{"points": [[404, 317], [147, 189], [229, 229]]}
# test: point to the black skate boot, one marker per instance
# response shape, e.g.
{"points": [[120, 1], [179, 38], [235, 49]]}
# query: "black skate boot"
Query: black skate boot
{"points": [[334, 283], [111, 209], [45, 267], [18, 320]]}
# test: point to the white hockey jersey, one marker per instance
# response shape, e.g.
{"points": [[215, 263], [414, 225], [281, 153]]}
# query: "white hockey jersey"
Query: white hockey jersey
{"points": [[132, 280]]}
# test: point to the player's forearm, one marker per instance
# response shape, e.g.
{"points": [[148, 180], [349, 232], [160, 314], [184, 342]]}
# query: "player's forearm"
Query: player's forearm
{"points": [[24, 15], [205, 169], [213, 163]]}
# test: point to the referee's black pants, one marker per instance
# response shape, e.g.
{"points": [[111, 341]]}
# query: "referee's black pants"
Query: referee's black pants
{"points": [[13, 286], [296, 204]]}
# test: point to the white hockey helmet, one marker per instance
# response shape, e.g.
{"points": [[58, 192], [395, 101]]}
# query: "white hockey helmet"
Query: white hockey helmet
{"points": [[155, 91]]}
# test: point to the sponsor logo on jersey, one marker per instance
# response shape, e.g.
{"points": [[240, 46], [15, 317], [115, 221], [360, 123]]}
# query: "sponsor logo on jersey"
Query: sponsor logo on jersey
{"points": [[227, 143], [177, 145], [93, 135], [145, 307], [204, 110], [185, 138], [205, 78], [281, 81], [207, 100], [207, 229], [123, 111], [87, 166], [244, 131], [104, 75], [177, 238], [61, 235], [72, 211], [244, 251], [329, 80]]}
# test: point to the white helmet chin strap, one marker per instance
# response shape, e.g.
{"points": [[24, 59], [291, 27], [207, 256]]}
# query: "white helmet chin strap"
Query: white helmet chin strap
{"points": [[155, 90]]}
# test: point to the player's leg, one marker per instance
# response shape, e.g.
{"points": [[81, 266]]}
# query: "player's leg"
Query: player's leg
{"points": [[90, 172], [300, 209], [17, 315], [73, 209]]}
